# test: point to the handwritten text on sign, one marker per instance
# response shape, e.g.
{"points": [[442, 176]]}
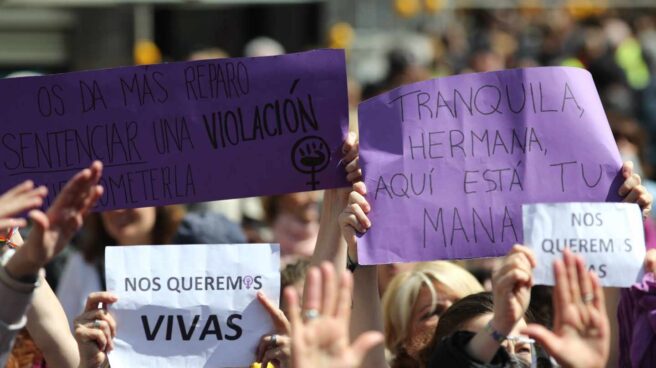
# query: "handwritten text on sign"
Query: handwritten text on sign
{"points": [[448, 162], [609, 236], [181, 132], [190, 305]]}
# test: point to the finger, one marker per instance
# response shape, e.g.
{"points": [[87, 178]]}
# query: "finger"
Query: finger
{"points": [[584, 281], [90, 316], [272, 355], [585, 284], [357, 198], [96, 298], [350, 148], [312, 294], [294, 313], [364, 343], [107, 317], [31, 199], [509, 281], [561, 287], [96, 171], [547, 339], [630, 183], [19, 188], [627, 169], [40, 220], [650, 261], [329, 283], [348, 219], [349, 142], [6, 224], [599, 299], [348, 224], [353, 165], [354, 177], [361, 217], [86, 334], [103, 326], [279, 319], [526, 252], [572, 277], [360, 187], [76, 189], [632, 196], [91, 200], [345, 299], [262, 346], [556, 305]]}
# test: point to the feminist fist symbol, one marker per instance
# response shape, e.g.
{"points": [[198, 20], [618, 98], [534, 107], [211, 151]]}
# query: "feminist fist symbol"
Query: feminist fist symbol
{"points": [[311, 155]]}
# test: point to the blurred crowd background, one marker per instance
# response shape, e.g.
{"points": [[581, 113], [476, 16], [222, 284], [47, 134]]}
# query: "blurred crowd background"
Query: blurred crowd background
{"points": [[388, 43]]}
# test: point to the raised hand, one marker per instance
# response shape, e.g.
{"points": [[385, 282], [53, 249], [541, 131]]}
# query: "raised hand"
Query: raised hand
{"points": [[275, 348], [95, 330], [351, 150], [21, 198], [581, 333], [322, 339], [354, 217], [54, 229], [511, 288], [633, 191]]}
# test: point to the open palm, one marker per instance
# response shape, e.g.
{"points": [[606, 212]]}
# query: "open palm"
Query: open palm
{"points": [[324, 341], [581, 335], [55, 228]]}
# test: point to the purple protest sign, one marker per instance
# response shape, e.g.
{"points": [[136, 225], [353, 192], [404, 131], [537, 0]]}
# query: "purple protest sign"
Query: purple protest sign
{"points": [[449, 162], [181, 132]]}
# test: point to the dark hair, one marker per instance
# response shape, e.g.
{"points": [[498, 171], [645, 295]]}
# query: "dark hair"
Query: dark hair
{"points": [[457, 315], [95, 237], [462, 311]]}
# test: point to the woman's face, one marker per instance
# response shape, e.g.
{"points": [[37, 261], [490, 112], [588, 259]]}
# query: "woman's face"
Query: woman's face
{"points": [[130, 226], [521, 350], [425, 316]]}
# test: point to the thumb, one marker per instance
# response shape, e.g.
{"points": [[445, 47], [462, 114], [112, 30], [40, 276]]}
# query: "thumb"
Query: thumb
{"points": [[280, 322], [40, 221], [366, 342], [547, 339]]}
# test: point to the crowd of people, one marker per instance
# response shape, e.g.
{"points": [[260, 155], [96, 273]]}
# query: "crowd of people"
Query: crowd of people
{"points": [[55, 310]]}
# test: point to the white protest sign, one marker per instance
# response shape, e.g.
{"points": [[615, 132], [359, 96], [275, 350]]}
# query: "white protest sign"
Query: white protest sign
{"points": [[190, 305], [609, 237]]}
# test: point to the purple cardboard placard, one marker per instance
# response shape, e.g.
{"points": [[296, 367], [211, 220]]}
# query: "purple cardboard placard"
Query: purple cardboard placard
{"points": [[448, 162], [181, 132]]}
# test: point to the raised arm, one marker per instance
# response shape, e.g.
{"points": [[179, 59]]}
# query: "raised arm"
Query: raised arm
{"points": [[330, 244], [367, 307], [581, 333], [16, 293], [511, 288], [46, 320], [322, 339]]}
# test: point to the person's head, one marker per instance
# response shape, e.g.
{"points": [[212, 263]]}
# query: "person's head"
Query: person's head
{"points": [[293, 275], [415, 299], [294, 220], [472, 313], [146, 225]]}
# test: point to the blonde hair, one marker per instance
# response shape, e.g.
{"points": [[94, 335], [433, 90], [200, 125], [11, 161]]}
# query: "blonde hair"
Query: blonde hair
{"points": [[402, 292]]}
